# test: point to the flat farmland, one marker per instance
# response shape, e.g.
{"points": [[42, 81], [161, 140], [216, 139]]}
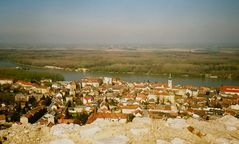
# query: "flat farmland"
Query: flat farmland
{"points": [[223, 63]]}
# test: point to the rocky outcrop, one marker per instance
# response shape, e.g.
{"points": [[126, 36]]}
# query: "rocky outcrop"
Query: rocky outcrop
{"points": [[141, 130]]}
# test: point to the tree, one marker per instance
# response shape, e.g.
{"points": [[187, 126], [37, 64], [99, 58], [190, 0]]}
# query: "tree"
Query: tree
{"points": [[15, 116], [48, 100], [157, 101], [83, 117], [130, 118], [32, 101], [67, 114], [77, 121], [43, 97]]}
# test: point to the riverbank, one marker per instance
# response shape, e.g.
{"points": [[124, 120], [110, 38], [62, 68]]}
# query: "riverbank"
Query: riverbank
{"points": [[160, 78], [210, 76], [21, 74]]}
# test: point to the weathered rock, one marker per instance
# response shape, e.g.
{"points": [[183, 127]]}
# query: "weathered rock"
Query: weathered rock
{"points": [[223, 130]]}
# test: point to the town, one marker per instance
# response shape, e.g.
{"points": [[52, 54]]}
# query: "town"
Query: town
{"points": [[110, 99]]}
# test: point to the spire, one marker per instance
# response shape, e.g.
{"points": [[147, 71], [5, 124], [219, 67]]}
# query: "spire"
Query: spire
{"points": [[170, 82]]}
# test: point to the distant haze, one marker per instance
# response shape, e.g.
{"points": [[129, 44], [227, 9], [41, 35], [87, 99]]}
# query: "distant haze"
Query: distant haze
{"points": [[119, 21]]}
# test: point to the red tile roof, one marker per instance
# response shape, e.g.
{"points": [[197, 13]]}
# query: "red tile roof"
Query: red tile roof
{"points": [[234, 89], [142, 96], [2, 117], [129, 107]]}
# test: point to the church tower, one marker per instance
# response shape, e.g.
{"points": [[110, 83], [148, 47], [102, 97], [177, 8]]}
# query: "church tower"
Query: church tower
{"points": [[170, 82]]}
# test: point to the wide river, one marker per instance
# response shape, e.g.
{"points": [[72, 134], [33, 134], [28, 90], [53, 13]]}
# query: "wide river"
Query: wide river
{"points": [[197, 81]]}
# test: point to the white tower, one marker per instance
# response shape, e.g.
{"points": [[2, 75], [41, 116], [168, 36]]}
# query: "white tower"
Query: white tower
{"points": [[170, 82]]}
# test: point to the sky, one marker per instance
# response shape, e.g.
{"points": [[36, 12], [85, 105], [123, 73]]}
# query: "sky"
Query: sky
{"points": [[119, 21]]}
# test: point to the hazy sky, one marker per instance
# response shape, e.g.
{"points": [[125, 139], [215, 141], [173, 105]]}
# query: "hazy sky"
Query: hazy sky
{"points": [[119, 21]]}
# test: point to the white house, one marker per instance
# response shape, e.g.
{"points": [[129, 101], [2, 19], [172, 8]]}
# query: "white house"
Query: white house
{"points": [[167, 97], [192, 92], [6, 81], [95, 82], [107, 80], [24, 119], [152, 98]]}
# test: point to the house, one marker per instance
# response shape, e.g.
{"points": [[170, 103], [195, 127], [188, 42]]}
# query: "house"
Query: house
{"points": [[24, 119], [128, 97], [25, 84], [6, 81], [112, 117], [232, 90], [46, 81], [192, 92], [69, 98], [41, 89], [141, 86], [56, 86], [59, 95], [152, 98], [162, 111], [130, 109], [104, 107], [107, 80], [180, 91], [79, 109], [235, 107], [92, 81], [141, 97], [158, 86], [116, 81], [21, 97], [167, 97], [71, 86], [162, 108], [32, 86], [2, 118], [37, 96], [72, 92], [87, 99], [138, 113], [33, 115], [47, 119], [118, 89]]}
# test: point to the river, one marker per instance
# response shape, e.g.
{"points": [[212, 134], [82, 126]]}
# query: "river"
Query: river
{"points": [[177, 80]]}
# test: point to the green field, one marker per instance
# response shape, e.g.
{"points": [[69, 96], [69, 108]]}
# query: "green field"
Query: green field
{"points": [[223, 63]]}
